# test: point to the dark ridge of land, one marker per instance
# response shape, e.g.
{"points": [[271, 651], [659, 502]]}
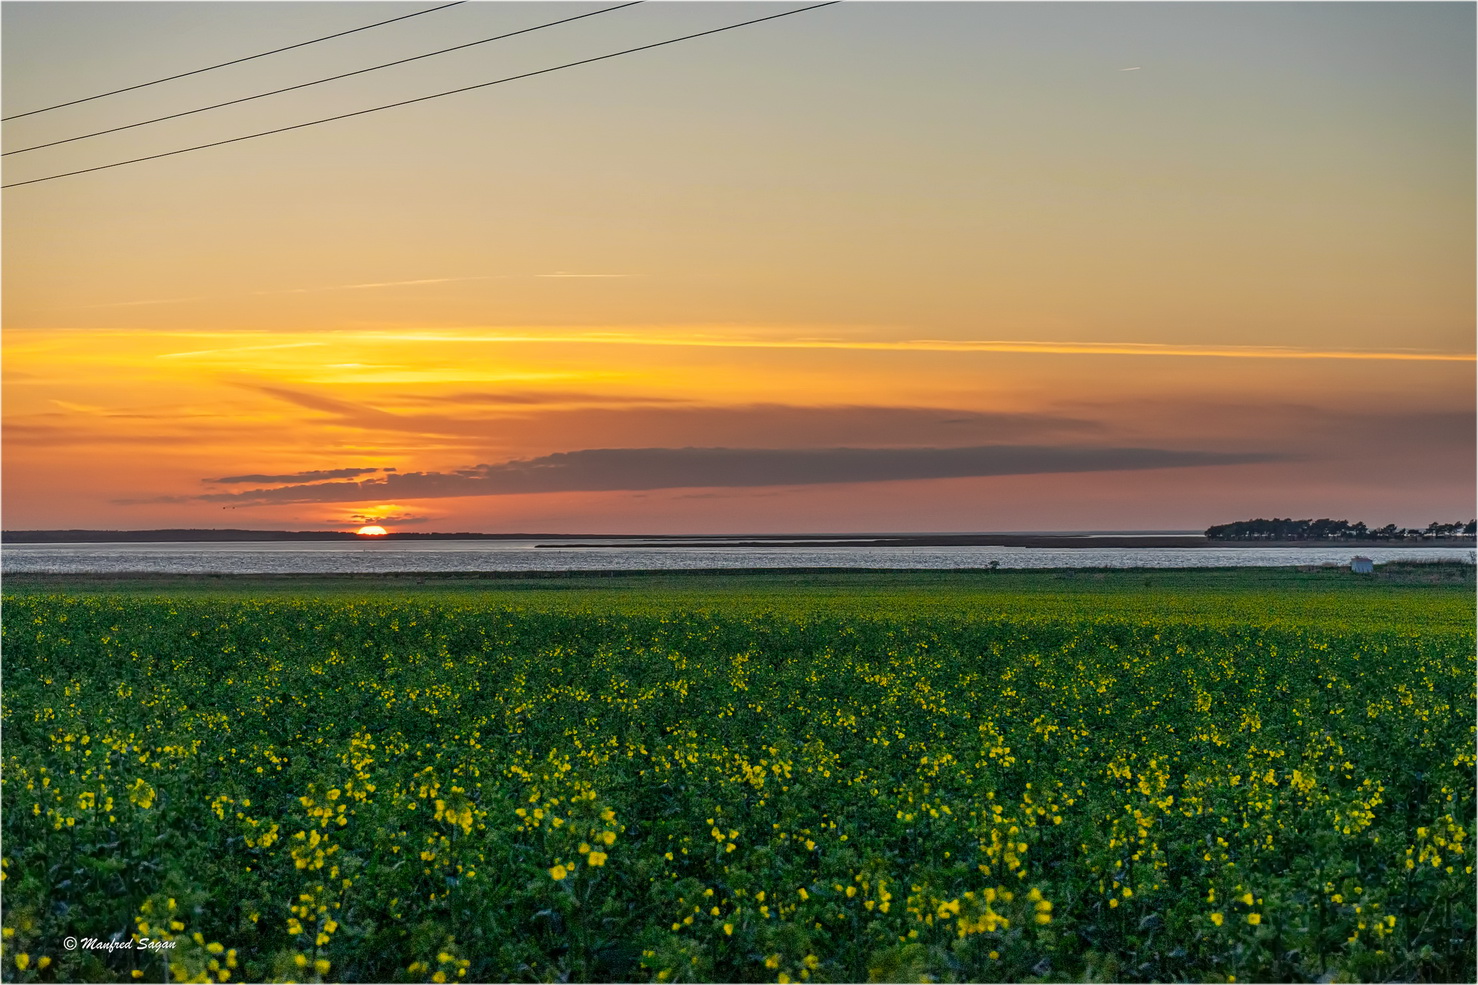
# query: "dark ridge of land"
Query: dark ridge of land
{"points": [[1033, 540], [927, 540]]}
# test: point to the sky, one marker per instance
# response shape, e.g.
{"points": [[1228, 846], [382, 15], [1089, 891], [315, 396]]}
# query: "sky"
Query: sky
{"points": [[876, 266]]}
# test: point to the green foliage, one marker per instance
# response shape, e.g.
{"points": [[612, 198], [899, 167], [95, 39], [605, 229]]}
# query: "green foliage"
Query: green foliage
{"points": [[629, 788]]}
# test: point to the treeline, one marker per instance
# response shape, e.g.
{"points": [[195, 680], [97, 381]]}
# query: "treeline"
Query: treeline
{"points": [[1327, 529]]}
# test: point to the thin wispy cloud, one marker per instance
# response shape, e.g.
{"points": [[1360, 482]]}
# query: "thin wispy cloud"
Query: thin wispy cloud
{"points": [[137, 304], [721, 341], [312, 475], [238, 348], [368, 285], [727, 337], [364, 286], [530, 398]]}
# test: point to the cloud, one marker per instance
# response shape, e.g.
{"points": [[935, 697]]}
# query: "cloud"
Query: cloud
{"points": [[135, 304], [670, 422], [523, 398], [239, 348], [401, 518], [610, 469], [312, 475], [1375, 428], [716, 340], [374, 284]]}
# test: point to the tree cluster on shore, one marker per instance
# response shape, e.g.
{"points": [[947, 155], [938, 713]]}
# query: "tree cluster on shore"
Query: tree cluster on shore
{"points": [[1338, 530]]}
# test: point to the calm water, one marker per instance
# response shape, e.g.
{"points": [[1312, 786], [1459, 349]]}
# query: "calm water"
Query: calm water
{"points": [[337, 557]]}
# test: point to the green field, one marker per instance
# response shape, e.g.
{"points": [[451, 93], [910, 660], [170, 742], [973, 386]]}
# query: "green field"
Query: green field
{"points": [[1264, 775]]}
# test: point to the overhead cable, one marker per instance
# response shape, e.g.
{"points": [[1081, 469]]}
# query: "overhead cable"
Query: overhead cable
{"points": [[332, 78], [421, 99], [234, 61]]}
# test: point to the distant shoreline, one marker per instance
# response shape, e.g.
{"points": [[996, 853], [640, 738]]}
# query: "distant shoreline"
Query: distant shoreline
{"points": [[658, 541], [1077, 542]]}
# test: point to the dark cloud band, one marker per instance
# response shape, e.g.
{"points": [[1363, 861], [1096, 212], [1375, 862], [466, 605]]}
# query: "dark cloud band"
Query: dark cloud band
{"points": [[611, 469]]}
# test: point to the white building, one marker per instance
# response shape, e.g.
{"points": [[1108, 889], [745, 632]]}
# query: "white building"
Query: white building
{"points": [[1362, 565]]}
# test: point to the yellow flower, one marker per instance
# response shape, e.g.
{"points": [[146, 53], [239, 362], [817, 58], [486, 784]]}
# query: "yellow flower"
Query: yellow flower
{"points": [[23, 961], [1246, 899], [42, 963], [301, 960], [558, 872], [1254, 918], [773, 961], [1217, 918], [597, 858], [321, 966], [584, 848], [141, 793], [729, 929], [609, 837]]}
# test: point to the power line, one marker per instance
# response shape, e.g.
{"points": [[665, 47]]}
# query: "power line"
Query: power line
{"points": [[422, 99], [332, 78], [234, 61]]}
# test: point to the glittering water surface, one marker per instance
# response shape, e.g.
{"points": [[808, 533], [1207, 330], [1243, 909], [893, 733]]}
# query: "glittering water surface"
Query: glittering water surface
{"points": [[340, 557]]}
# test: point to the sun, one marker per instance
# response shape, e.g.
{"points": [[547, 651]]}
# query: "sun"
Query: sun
{"points": [[372, 531]]}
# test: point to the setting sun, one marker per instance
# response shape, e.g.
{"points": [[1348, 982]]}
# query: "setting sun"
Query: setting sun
{"points": [[372, 531]]}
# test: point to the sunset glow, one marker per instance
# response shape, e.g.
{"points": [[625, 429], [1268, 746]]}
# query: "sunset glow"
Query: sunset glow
{"points": [[372, 531], [702, 290]]}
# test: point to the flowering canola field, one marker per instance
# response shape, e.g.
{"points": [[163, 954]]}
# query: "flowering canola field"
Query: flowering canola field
{"points": [[456, 789]]}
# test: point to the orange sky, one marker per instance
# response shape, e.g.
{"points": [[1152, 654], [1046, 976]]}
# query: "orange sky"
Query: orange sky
{"points": [[874, 267]]}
